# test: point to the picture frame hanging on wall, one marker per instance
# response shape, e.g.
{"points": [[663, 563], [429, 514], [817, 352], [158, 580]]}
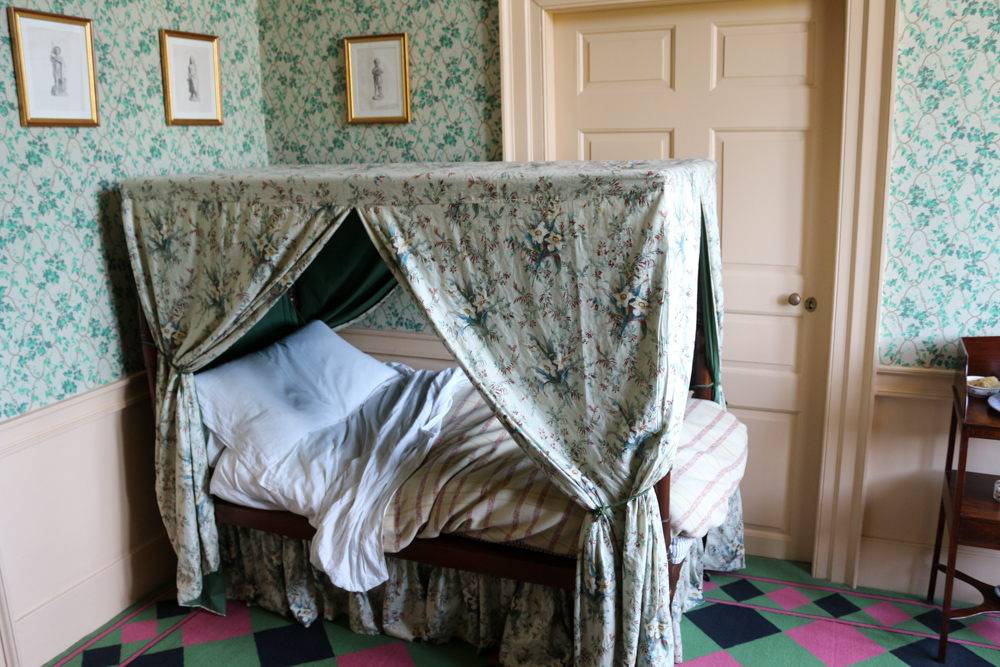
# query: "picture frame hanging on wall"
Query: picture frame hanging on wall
{"points": [[54, 67], [192, 79], [378, 78]]}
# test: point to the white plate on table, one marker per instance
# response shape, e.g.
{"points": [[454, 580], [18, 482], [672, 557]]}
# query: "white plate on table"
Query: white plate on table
{"points": [[994, 402]]}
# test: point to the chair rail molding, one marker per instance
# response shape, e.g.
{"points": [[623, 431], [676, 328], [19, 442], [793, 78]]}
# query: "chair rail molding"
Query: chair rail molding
{"points": [[870, 45], [908, 382]]}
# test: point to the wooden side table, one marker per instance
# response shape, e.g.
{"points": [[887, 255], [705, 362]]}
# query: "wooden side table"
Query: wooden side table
{"points": [[967, 505]]}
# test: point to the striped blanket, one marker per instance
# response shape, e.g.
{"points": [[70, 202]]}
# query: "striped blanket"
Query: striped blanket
{"points": [[476, 481]]}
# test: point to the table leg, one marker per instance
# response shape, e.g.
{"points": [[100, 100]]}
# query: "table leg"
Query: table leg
{"points": [[949, 586], [953, 533], [937, 554], [941, 513]]}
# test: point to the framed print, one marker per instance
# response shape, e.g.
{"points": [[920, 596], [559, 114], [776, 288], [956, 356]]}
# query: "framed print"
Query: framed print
{"points": [[54, 68], [378, 78], [192, 84]]}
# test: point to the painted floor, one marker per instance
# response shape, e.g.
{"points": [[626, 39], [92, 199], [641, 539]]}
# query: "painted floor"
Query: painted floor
{"points": [[771, 614]]}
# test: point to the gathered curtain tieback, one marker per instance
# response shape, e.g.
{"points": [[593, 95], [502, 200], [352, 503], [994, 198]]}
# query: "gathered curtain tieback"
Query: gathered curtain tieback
{"points": [[180, 369], [710, 385], [605, 510]]}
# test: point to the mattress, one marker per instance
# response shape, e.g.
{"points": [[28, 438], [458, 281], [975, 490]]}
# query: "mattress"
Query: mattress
{"points": [[476, 481]]}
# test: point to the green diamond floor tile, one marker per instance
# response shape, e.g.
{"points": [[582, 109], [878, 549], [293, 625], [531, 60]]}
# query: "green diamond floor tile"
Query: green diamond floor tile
{"points": [[262, 619], [240, 651], [770, 568], [696, 642], [453, 654], [774, 651], [344, 641], [786, 622]]}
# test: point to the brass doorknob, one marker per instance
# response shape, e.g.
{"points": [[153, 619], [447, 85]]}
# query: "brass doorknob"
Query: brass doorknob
{"points": [[794, 298]]}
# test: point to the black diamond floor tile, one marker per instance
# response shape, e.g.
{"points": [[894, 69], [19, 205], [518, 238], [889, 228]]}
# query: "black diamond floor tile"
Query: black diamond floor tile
{"points": [[171, 658], [102, 657], [292, 645], [170, 608], [924, 654], [741, 590], [730, 626], [932, 619], [837, 605]]}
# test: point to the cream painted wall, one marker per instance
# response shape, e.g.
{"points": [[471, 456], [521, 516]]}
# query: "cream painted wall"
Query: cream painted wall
{"points": [[80, 534], [904, 477]]}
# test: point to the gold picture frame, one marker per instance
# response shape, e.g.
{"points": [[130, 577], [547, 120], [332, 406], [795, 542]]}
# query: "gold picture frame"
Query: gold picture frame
{"points": [[189, 61], [378, 78], [54, 67]]}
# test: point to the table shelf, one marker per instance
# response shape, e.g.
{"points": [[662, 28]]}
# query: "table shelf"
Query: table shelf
{"points": [[968, 510], [980, 520]]}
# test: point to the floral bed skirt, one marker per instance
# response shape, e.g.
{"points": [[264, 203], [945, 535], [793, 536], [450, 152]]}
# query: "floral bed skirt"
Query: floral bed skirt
{"points": [[530, 624]]}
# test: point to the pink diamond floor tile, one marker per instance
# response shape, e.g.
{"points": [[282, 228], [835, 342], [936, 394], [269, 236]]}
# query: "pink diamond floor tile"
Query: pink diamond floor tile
{"points": [[387, 655], [788, 598], [835, 644], [717, 659], [139, 631], [207, 627], [887, 614], [989, 628]]}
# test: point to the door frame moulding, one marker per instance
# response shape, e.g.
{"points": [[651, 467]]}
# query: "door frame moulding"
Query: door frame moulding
{"points": [[526, 37]]}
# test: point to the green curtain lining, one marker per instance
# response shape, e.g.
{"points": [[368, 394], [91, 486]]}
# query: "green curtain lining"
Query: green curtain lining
{"points": [[706, 296], [345, 280]]}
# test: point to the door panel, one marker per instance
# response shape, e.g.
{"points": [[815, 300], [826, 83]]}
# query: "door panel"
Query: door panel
{"points": [[766, 492], [761, 179], [764, 54], [627, 145], [754, 85]]}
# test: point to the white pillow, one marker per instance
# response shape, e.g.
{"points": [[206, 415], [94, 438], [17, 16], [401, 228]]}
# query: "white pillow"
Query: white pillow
{"points": [[267, 401]]}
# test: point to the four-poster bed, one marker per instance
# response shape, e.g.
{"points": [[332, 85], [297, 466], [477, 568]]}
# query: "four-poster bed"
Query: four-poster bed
{"points": [[568, 294]]}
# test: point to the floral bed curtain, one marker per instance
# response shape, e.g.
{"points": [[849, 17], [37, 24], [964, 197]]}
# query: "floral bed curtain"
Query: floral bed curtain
{"points": [[567, 291]]}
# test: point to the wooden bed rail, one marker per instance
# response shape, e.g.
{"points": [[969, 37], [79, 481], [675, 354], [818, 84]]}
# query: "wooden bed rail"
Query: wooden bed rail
{"points": [[460, 553]]}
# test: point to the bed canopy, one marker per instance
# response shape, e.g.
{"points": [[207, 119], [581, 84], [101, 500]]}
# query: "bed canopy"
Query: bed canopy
{"points": [[566, 291]]}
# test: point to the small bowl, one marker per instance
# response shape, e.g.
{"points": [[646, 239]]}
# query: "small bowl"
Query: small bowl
{"points": [[981, 392]]}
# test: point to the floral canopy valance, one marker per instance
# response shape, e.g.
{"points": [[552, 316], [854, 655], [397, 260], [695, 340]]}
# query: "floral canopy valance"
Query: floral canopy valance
{"points": [[567, 291]]}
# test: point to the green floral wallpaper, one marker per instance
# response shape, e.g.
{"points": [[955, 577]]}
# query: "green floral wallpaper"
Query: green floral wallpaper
{"points": [[454, 83], [67, 308], [942, 263], [454, 80], [67, 305]]}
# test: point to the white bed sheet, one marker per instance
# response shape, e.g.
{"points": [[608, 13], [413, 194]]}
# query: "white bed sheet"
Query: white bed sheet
{"points": [[341, 477]]}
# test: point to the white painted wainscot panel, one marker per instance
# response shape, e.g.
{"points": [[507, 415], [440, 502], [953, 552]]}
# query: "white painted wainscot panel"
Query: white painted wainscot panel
{"points": [[80, 534], [904, 477]]}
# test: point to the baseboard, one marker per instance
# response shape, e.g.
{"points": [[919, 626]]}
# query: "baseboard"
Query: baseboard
{"points": [[47, 631], [905, 567]]}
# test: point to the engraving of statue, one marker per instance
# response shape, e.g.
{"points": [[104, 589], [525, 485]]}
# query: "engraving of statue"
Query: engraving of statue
{"points": [[58, 73], [192, 79], [377, 73]]}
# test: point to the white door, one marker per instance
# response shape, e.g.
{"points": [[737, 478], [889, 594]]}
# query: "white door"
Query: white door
{"points": [[756, 86]]}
